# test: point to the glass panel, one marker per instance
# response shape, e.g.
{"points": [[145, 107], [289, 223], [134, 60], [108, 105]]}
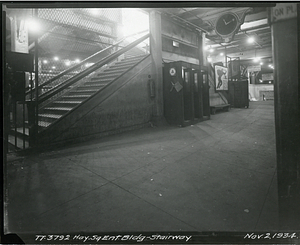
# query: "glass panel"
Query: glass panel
{"points": [[186, 76], [187, 80], [183, 69], [196, 81]]}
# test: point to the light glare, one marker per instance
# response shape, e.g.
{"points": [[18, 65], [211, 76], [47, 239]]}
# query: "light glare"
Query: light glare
{"points": [[33, 25], [134, 21], [94, 11], [251, 40]]}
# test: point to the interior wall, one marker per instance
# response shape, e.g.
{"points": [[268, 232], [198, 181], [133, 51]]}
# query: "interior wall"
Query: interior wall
{"points": [[255, 91], [179, 43], [170, 57]]}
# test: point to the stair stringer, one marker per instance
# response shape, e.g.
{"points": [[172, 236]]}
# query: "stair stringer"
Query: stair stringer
{"points": [[97, 117]]}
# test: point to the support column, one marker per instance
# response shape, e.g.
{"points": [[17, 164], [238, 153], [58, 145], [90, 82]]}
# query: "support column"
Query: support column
{"points": [[204, 52], [156, 56], [284, 23], [206, 86]]}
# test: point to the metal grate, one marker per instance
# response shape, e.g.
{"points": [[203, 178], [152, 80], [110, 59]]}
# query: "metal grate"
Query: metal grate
{"points": [[79, 18]]}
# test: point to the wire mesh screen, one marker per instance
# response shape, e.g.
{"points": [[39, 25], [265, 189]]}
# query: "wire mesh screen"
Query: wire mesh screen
{"points": [[69, 36]]}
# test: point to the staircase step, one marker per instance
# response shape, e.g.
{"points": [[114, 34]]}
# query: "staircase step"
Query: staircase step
{"points": [[134, 57], [88, 92], [54, 116], [100, 79], [94, 87], [49, 117], [70, 102], [116, 70], [97, 82], [76, 97], [44, 124], [108, 76], [58, 110], [122, 64]]}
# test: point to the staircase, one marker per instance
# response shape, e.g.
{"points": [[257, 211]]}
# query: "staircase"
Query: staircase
{"points": [[72, 98]]}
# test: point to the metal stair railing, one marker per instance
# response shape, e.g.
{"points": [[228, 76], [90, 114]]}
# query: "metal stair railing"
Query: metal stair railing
{"points": [[90, 69], [73, 79], [69, 71]]}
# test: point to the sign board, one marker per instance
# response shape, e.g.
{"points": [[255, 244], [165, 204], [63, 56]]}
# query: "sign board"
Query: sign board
{"points": [[254, 68], [19, 35], [267, 77], [221, 77], [172, 71], [283, 11]]}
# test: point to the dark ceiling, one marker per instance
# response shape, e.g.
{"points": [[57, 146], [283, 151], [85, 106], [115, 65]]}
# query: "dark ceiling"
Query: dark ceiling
{"points": [[255, 25]]}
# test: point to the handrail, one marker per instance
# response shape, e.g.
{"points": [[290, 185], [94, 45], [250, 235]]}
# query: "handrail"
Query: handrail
{"points": [[75, 66], [91, 69], [82, 62]]}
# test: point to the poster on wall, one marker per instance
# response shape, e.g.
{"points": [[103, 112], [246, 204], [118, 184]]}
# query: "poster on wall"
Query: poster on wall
{"points": [[221, 77]]}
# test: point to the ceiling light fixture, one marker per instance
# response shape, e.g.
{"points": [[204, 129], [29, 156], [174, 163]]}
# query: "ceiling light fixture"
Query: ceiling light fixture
{"points": [[94, 11], [33, 25], [251, 40]]}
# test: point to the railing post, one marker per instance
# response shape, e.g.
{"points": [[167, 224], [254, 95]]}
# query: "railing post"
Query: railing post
{"points": [[156, 57], [31, 107]]}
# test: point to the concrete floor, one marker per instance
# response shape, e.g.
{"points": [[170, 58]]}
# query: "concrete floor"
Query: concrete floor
{"points": [[217, 175]]}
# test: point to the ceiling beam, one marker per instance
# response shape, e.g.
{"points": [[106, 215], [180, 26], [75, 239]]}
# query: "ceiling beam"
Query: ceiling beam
{"points": [[210, 15], [246, 55]]}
